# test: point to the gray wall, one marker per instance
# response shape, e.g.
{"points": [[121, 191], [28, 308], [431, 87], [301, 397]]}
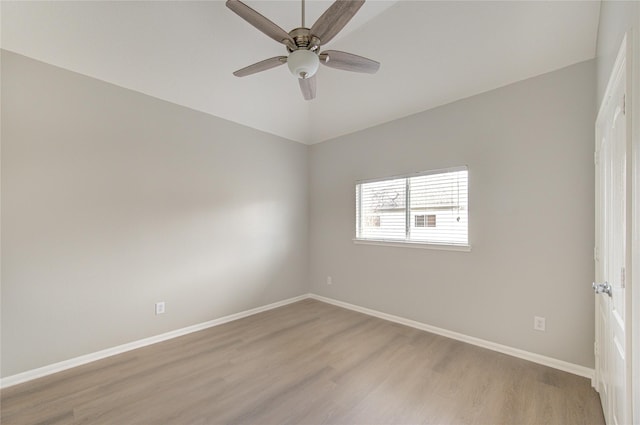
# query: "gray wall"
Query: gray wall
{"points": [[529, 148], [616, 18], [113, 200]]}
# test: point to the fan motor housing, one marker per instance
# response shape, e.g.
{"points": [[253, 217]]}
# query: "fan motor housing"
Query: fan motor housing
{"points": [[304, 40]]}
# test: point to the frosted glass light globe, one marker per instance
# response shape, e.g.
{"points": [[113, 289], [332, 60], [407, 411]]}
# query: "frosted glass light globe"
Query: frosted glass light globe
{"points": [[303, 63]]}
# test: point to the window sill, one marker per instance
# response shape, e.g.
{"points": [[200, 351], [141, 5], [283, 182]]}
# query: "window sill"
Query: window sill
{"points": [[421, 245]]}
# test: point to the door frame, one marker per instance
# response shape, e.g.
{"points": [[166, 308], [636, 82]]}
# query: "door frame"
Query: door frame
{"points": [[634, 105]]}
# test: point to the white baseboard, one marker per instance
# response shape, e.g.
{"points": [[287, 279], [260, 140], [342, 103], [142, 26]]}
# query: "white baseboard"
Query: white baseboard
{"points": [[526, 355], [87, 358], [78, 361]]}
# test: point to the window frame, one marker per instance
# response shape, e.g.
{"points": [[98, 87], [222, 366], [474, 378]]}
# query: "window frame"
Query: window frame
{"points": [[410, 243]]}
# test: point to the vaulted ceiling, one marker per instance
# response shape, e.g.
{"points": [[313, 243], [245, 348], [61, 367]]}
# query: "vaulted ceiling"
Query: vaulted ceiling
{"points": [[432, 53]]}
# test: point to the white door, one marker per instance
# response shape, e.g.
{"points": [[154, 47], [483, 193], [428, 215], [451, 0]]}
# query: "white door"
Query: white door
{"points": [[612, 249]]}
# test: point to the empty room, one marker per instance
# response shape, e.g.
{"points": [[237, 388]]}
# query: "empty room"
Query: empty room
{"points": [[320, 212]]}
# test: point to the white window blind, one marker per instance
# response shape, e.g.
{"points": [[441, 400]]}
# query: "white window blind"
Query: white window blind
{"points": [[430, 207]]}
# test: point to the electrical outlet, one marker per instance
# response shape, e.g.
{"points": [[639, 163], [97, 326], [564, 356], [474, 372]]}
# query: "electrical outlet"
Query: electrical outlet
{"points": [[539, 323], [160, 307], [329, 280]]}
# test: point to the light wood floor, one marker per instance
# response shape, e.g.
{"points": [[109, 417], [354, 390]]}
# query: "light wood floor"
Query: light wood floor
{"points": [[306, 363]]}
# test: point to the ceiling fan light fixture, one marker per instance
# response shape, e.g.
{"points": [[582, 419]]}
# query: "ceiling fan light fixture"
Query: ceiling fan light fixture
{"points": [[303, 44], [303, 63]]}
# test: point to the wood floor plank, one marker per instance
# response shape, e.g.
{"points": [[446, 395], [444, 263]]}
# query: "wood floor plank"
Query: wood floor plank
{"points": [[306, 363]]}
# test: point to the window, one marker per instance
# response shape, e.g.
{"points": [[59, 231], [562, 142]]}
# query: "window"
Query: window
{"points": [[428, 208], [426, 220]]}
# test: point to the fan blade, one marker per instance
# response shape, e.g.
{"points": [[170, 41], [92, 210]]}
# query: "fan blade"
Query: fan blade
{"points": [[348, 62], [334, 19], [308, 87], [260, 22], [261, 66]]}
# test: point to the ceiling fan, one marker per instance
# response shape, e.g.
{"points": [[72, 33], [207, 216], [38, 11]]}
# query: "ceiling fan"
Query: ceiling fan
{"points": [[303, 44]]}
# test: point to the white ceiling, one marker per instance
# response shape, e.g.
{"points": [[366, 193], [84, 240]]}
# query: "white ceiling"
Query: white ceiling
{"points": [[432, 53]]}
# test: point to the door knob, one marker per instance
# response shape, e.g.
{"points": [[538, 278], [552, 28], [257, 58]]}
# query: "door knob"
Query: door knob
{"points": [[602, 288]]}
